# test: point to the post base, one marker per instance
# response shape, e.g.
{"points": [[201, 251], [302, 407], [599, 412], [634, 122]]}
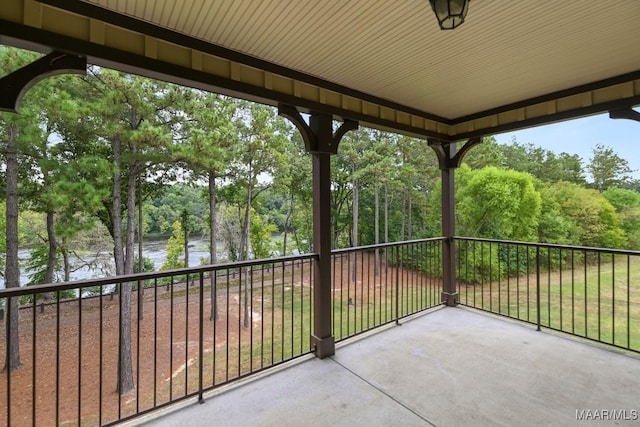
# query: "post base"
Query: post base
{"points": [[449, 299], [323, 347]]}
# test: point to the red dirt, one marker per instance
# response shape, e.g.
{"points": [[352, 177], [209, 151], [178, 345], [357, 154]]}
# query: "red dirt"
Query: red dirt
{"points": [[84, 385]]}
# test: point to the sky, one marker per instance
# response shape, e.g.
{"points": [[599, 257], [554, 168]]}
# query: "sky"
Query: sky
{"points": [[581, 135]]}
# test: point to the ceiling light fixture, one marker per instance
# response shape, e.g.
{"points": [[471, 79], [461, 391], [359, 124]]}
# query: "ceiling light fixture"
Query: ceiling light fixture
{"points": [[450, 13]]}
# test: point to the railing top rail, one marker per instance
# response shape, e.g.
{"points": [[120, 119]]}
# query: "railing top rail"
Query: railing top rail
{"points": [[555, 246], [111, 280], [386, 245]]}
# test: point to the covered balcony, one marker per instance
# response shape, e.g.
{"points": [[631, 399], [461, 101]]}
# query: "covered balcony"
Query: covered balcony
{"points": [[386, 334]]}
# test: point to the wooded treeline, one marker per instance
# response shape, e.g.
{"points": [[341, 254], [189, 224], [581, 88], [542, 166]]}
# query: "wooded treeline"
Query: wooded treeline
{"points": [[131, 156]]}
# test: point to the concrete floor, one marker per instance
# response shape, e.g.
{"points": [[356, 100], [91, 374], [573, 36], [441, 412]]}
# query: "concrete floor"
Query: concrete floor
{"points": [[449, 367]]}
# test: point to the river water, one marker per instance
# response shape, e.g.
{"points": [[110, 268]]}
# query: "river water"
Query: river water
{"points": [[153, 249]]}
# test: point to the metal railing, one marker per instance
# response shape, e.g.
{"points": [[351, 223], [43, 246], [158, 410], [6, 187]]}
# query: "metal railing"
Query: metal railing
{"points": [[191, 330], [378, 284], [592, 293]]}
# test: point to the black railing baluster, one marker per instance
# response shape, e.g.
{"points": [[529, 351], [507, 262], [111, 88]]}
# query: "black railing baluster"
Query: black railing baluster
{"points": [[361, 266], [201, 338], [79, 354], [241, 294], [628, 301], [586, 296], [33, 362], [397, 316], [283, 312], [573, 293], [139, 319], [273, 267], [251, 269], [171, 323], [186, 335], [155, 342], [227, 321], [549, 288], [599, 302], [613, 299], [9, 321], [528, 285], [560, 288], [499, 279], [518, 281], [302, 327], [538, 287], [100, 360], [58, 361]]}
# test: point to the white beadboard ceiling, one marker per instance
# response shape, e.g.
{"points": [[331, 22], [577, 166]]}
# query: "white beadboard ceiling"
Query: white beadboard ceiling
{"points": [[505, 52]]}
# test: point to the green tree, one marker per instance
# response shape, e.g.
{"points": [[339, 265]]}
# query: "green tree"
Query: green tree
{"points": [[174, 248], [260, 236], [597, 223], [555, 225], [488, 153], [497, 203], [16, 130], [257, 166], [627, 205], [607, 169]]}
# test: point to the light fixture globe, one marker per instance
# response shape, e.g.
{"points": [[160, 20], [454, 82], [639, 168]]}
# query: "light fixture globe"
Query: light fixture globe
{"points": [[450, 13]]}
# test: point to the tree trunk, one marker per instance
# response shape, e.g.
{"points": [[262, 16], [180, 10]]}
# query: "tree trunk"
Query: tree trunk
{"points": [[125, 366], [65, 260], [186, 247], [410, 221], [287, 224], [12, 269], [244, 244], [118, 249], [376, 262], [404, 212], [386, 221], [245, 254], [51, 254], [140, 255], [213, 243], [354, 238], [131, 219], [386, 213]]}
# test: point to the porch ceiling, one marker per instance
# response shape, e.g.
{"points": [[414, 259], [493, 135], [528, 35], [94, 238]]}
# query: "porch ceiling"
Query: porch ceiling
{"points": [[385, 63]]}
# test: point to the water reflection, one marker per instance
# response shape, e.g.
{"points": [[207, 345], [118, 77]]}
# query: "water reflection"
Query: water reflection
{"points": [[153, 249]]}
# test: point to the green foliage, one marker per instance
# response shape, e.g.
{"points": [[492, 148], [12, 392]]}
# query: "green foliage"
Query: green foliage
{"points": [[497, 203], [31, 226], [36, 266], [165, 209], [607, 169], [174, 247], [229, 227], [147, 266], [478, 262], [627, 206], [260, 236], [596, 222]]}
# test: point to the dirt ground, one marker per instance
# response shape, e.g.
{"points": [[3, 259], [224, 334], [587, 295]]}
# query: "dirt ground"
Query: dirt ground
{"points": [[81, 339], [73, 347]]}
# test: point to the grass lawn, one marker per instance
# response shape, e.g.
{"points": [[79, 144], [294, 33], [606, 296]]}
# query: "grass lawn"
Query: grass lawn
{"points": [[600, 302]]}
